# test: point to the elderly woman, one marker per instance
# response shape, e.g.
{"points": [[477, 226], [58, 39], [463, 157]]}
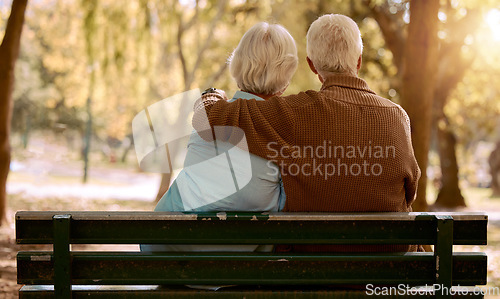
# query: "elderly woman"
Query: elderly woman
{"points": [[219, 176]]}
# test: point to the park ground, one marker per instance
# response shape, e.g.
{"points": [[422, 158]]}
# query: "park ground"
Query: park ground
{"points": [[46, 177]]}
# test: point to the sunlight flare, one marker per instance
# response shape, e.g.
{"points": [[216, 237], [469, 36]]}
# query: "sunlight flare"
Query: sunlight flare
{"points": [[493, 21]]}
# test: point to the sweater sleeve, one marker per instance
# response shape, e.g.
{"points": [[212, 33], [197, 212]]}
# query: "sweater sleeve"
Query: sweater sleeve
{"points": [[268, 125], [411, 181]]}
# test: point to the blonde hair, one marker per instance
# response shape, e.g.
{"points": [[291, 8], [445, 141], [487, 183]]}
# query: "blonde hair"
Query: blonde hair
{"points": [[334, 44], [265, 59]]}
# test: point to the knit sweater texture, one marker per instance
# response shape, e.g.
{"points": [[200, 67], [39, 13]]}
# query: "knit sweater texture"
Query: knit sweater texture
{"points": [[340, 149]]}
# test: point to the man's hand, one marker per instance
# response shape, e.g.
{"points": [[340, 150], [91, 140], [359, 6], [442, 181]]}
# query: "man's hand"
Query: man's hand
{"points": [[209, 97], [213, 90]]}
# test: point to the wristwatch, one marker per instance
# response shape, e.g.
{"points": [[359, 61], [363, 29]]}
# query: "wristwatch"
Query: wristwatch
{"points": [[209, 90]]}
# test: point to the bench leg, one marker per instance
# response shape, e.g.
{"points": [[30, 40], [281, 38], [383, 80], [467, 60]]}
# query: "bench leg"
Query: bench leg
{"points": [[443, 255], [62, 257]]}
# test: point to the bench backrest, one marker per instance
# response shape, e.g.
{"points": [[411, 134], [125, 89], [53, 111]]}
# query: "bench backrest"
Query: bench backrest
{"points": [[64, 267]]}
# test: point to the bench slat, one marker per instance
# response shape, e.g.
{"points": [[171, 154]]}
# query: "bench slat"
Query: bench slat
{"points": [[211, 228], [43, 292], [303, 271], [303, 216], [254, 268]]}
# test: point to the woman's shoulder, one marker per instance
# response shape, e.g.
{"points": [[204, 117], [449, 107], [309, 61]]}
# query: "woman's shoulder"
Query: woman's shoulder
{"points": [[300, 99]]}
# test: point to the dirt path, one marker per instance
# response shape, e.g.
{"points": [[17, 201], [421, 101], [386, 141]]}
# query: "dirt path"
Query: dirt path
{"points": [[48, 177]]}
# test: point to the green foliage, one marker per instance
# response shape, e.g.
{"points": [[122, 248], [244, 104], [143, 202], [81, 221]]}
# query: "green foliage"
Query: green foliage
{"points": [[128, 55], [474, 108], [377, 67]]}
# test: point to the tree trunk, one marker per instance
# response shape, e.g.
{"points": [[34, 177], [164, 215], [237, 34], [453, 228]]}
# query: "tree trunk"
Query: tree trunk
{"points": [[164, 185], [451, 71], [449, 195], [189, 75], [494, 162], [418, 83], [87, 139], [9, 51], [90, 28], [123, 158]]}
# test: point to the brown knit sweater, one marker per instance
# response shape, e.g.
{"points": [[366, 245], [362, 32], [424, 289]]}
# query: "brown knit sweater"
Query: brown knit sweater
{"points": [[340, 149]]}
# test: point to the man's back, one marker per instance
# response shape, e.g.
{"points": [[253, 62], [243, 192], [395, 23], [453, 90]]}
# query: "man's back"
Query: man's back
{"points": [[340, 149], [358, 143]]}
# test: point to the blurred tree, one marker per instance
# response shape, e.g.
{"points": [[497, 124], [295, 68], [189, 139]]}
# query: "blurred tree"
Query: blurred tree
{"points": [[140, 55], [123, 60], [89, 28], [457, 22], [452, 67], [146, 50], [417, 89], [30, 91], [202, 43], [494, 161], [9, 51], [473, 110], [51, 76]]}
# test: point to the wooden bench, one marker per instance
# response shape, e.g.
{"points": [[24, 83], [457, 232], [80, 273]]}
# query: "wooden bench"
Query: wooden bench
{"points": [[107, 274]]}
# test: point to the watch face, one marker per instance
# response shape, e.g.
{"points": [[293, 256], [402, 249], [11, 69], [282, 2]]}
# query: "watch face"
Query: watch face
{"points": [[208, 90]]}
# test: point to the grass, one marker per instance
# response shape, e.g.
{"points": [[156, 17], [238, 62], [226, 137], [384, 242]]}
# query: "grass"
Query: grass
{"points": [[20, 202]]}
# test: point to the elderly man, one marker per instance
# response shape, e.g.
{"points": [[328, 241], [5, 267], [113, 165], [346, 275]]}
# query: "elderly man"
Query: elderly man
{"points": [[339, 149]]}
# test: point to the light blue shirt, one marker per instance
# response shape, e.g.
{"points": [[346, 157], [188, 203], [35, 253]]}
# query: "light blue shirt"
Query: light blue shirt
{"points": [[219, 176]]}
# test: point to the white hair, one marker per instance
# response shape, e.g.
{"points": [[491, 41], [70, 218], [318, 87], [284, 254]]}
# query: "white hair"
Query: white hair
{"points": [[334, 44], [265, 59]]}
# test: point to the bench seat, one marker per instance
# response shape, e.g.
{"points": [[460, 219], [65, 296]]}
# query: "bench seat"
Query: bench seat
{"points": [[110, 274], [254, 292]]}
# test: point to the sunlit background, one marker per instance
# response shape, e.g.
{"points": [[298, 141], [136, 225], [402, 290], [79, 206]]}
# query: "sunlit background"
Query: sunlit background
{"points": [[492, 19], [87, 67]]}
